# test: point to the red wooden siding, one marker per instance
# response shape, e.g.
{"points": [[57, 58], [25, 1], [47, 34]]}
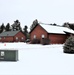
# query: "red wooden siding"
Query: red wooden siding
{"points": [[54, 38], [19, 35], [38, 31], [57, 38], [13, 38], [6, 39]]}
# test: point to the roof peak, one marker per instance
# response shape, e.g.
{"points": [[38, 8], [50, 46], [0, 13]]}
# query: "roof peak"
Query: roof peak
{"points": [[54, 24]]}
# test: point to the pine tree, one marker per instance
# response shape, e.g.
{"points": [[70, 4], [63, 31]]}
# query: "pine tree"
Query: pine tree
{"points": [[25, 31], [66, 24], [35, 22], [69, 45], [0, 30], [16, 25], [2, 27], [7, 27], [71, 26]]}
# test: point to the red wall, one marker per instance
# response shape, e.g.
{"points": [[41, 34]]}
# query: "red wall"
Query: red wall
{"points": [[6, 39], [38, 31], [19, 35], [57, 38], [54, 38], [13, 38]]}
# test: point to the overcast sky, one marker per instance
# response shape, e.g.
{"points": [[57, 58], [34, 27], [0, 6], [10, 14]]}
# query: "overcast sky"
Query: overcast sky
{"points": [[46, 11]]}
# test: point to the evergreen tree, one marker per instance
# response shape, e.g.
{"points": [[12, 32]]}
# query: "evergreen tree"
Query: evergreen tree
{"points": [[25, 31], [71, 26], [54, 24], [0, 30], [7, 27], [20, 28], [69, 45], [16, 25], [66, 24], [35, 22], [2, 27]]}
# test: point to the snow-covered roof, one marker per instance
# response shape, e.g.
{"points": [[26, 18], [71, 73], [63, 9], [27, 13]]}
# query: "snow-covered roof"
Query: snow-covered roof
{"points": [[56, 29]]}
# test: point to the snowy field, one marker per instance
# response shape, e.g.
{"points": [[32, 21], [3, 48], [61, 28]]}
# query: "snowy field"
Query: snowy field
{"points": [[38, 60]]}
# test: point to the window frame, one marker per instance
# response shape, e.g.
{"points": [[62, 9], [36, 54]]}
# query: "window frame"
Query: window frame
{"points": [[2, 53], [22, 38], [16, 38], [0, 38], [42, 36], [34, 36]]}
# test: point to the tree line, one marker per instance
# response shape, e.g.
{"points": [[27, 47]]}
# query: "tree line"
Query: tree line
{"points": [[14, 27], [17, 26], [66, 24]]}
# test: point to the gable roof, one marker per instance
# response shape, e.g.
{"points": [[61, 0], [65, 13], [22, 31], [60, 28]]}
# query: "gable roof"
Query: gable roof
{"points": [[55, 29], [9, 33]]}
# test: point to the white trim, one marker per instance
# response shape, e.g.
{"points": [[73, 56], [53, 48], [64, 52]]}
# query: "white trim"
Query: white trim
{"points": [[22, 38], [43, 36], [16, 38], [2, 53], [0, 38], [34, 36]]}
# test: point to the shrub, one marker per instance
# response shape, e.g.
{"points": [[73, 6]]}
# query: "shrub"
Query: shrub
{"points": [[69, 45], [45, 41], [28, 40], [35, 41]]}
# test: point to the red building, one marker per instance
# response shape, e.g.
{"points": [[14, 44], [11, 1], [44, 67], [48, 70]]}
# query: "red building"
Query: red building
{"points": [[12, 36], [56, 34]]}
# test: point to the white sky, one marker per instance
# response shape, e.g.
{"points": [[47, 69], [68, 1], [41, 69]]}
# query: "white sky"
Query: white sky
{"points": [[47, 11]]}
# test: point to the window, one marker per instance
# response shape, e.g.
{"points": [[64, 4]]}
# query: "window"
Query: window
{"points": [[16, 38], [34, 36], [43, 36], [22, 38], [2, 53], [0, 38]]}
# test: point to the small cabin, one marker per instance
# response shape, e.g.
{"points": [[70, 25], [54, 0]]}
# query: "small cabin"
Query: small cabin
{"points": [[12, 36]]}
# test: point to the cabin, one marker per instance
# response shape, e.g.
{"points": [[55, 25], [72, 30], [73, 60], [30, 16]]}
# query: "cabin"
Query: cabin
{"points": [[56, 34], [12, 36]]}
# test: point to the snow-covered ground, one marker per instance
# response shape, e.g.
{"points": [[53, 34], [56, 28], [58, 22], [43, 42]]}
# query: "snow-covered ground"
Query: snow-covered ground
{"points": [[38, 59]]}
